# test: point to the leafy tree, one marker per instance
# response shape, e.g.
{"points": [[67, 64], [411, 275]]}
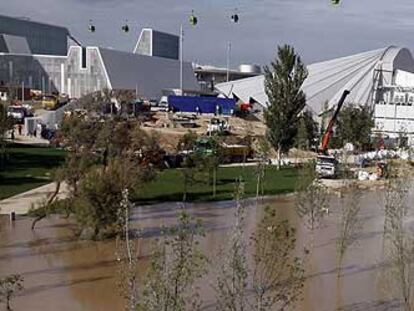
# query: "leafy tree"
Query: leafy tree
{"points": [[96, 206], [176, 263], [199, 166], [187, 141], [105, 157], [10, 286], [6, 124], [146, 149], [354, 126], [283, 81]]}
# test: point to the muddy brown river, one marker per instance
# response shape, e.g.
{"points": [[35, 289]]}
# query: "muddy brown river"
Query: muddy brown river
{"points": [[63, 273]]}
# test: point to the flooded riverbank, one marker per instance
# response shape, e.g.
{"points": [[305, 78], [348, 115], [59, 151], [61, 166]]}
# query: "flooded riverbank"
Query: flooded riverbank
{"points": [[62, 273]]}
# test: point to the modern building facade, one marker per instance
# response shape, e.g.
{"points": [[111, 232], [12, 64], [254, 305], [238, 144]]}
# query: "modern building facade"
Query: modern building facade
{"points": [[46, 64], [157, 43], [42, 39], [209, 76], [382, 79]]}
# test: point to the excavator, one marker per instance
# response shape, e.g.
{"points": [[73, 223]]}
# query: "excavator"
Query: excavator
{"points": [[326, 165]]}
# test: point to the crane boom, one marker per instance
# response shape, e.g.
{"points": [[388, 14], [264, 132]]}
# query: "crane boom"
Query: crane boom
{"points": [[329, 130]]}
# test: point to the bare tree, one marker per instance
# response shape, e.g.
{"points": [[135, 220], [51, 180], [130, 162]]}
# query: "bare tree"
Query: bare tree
{"points": [[278, 275], [262, 153], [231, 287], [312, 197], [398, 243], [350, 224], [127, 256], [176, 263]]}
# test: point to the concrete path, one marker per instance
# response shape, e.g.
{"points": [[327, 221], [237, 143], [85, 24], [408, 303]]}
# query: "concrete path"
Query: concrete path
{"points": [[29, 140], [21, 203]]}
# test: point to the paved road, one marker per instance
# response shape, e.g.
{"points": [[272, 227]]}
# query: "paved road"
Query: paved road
{"points": [[21, 203]]}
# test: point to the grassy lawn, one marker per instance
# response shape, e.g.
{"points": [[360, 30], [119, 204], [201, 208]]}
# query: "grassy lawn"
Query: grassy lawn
{"points": [[28, 167], [169, 185]]}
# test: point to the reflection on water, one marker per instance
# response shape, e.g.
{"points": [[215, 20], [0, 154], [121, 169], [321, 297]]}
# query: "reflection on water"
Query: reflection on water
{"points": [[62, 273]]}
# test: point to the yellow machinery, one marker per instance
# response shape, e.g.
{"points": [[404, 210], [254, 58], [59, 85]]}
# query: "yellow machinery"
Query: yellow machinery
{"points": [[50, 102]]}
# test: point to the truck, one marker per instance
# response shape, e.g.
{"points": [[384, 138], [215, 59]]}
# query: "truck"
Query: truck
{"points": [[228, 153], [326, 165], [218, 126], [202, 104], [19, 113], [54, 101]]}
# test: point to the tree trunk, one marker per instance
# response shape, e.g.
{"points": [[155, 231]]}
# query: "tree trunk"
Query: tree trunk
{"points": [[185, 189], [279, 155], [214, 181], [258, 185], [50, 201]]}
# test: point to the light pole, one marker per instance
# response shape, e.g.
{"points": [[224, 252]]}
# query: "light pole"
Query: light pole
{"points": [[193, 21], [181, 58], [228, 61]]}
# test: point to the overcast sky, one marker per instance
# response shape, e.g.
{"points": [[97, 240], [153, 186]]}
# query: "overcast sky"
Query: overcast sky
{"points": [[317, 30]]}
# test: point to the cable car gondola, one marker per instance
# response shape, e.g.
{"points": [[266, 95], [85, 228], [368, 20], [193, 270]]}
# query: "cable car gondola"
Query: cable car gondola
{"points": [[193, 19], [91, 26], [235, 17], [125, 28]]}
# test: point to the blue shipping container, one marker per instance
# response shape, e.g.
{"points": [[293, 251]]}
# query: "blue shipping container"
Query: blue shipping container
{"points": [[202, 104]]}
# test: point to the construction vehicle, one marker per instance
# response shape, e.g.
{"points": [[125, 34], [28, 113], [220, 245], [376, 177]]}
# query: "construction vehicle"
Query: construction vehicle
{"points": [[218, 126], [326, 165], [54, 101], [235, 153], [50, 102]]}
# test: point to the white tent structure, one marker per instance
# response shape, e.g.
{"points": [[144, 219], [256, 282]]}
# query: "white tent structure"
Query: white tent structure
{"points": [[363, 75]]}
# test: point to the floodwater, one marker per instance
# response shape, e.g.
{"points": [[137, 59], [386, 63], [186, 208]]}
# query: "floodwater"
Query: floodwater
{"points": [[63, 273]]}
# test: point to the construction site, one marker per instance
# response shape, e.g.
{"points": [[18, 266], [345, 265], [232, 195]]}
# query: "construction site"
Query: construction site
{"points": [[156, 177]]}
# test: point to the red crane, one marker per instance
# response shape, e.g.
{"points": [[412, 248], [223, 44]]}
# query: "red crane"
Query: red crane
{"points": [[329, 130]]}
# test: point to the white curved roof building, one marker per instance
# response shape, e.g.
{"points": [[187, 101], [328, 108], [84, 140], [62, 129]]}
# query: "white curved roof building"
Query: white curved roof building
{"points": [[363, 74]]}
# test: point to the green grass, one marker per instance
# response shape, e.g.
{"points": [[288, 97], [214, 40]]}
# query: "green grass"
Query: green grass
{"points": [[169, 185], [28, 167]]}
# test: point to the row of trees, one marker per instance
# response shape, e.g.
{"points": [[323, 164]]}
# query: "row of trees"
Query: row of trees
{"points": [[272, 280]]}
